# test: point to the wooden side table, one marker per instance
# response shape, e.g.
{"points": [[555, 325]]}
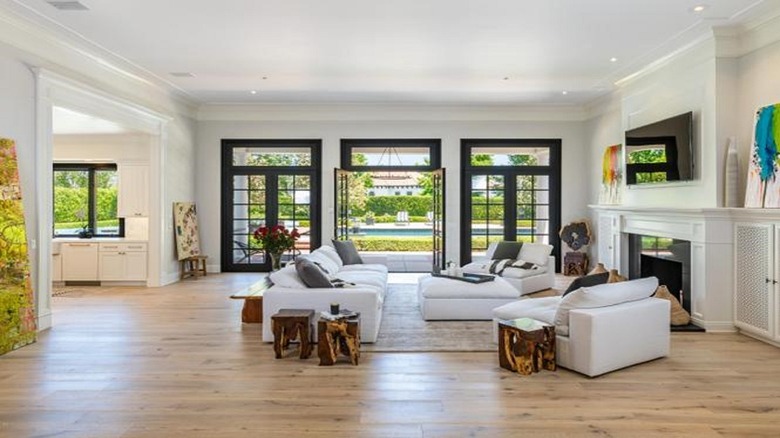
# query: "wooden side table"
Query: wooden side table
{"points": [[194, 266], [526, 345], [575, 263], [339, 336], [288, 324]]}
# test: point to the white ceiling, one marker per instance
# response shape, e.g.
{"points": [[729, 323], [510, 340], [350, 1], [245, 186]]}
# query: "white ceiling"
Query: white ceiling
{"points": [[440, 51], [69, 122]]}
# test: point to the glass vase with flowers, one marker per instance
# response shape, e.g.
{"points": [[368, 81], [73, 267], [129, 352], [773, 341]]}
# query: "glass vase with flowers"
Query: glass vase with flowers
{"points": [[276, 241]]}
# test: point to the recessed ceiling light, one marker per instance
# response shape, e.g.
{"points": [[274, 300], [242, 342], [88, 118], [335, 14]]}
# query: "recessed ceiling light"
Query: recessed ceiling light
{"points": [[699, 8], [253, 92], [265, 77], [613, 59], [182, 74], [506, 78], [564, 92]]}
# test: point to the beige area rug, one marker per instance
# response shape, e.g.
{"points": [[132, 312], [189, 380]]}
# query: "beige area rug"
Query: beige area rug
{"points": [[403, 329]]}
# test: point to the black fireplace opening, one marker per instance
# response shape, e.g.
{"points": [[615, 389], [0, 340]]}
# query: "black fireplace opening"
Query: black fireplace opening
{"points": [[667, 259]]}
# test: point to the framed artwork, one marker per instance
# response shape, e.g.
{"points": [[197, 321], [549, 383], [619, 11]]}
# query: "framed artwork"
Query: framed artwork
{"points": [[611, 175], [185, 224], [763, 188], [17, 311]]}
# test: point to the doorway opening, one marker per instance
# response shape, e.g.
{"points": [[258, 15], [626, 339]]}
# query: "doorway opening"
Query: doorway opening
{"points": [[390, 201], [267, 183], [511, 191]]}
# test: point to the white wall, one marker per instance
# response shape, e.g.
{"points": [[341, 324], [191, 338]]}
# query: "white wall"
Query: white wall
{"points": [[17, 122], [210, 134], [113, 148]]}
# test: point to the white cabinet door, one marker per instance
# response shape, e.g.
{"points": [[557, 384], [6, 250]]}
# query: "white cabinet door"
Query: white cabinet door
{"points": [[79, 261], [112, 266], [135, 266], [133, 198], [606, 241], [755, 280]]}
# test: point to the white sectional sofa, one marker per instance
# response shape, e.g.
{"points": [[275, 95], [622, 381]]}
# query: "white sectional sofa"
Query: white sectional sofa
{"points": [[525, 281], [367, 296], [601, 328]]}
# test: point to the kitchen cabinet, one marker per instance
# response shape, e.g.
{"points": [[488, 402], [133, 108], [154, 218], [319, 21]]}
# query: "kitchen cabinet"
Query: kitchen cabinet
{"points": [[133, 196], [123, 261], [79, 261]]}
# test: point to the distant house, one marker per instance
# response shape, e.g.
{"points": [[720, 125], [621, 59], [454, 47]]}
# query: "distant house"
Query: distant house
{"points": [[400, 184]]}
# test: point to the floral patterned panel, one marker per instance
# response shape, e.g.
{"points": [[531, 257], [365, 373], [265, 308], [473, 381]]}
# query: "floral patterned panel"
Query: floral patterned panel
{"points": [[17, 314], [185, 222]]}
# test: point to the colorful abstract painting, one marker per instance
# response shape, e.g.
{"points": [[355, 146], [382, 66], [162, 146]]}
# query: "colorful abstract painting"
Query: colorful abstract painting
{"points": [[185, 222], [763, 187], [17, 313], [611, 175]]}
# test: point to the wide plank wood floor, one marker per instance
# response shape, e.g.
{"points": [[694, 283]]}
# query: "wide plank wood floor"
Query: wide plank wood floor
{"points": [[176, 361]]}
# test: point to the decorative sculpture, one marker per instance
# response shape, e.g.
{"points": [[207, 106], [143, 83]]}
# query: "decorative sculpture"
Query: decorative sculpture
{"points": [[576, 235]]}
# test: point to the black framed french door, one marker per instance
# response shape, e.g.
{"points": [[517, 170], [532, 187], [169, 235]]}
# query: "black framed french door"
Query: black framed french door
{"points": [[439, 217], [268, 183], [511, 191]]}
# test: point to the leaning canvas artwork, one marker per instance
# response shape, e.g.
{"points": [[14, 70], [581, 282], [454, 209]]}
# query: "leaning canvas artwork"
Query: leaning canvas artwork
{"points": [[763, 187], [17, 314], [185, 222], [611, 175]]}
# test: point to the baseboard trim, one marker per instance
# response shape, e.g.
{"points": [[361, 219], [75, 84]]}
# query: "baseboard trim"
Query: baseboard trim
{"points": [[216, 269], [758, 338], [715, 326], [44, 322], [170, 278]]}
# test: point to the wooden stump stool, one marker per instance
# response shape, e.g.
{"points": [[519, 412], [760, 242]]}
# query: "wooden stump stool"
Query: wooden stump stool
{"points": [[194, 266], [526, 345], [575, 263], [288, 324], [339, 336]]}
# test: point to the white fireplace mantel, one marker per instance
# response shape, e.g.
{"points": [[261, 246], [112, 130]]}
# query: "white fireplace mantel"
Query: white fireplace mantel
{"points": [[710, 232]]}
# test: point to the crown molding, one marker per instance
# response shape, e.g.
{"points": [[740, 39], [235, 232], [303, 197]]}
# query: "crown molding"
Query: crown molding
{"points": [[387, 112], [604, 104], [42, 42]]}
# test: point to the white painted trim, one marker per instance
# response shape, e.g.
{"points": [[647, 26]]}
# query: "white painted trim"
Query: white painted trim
{"points": [[715, 326], [387, 112], [167, 279], [57, 90]]}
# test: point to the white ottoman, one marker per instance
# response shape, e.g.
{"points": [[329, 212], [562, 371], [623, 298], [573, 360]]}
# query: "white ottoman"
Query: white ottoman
{"points": [[447, 299]]}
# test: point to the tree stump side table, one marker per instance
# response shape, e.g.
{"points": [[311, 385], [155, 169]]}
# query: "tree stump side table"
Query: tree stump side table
{"points": [[289, 324], [575, 263], [341, 336], [526, 345]]}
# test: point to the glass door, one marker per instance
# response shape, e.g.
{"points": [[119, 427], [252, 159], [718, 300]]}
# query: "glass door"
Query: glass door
{"points": [[438, 218], [511, 192], [267, 183]]}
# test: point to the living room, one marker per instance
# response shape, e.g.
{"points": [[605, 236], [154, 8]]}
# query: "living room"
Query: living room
{"points": [[108, 356]]}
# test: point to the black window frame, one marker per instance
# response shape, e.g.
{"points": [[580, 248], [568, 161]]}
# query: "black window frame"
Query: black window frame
{"points": [[433, 145], [91, 168]]}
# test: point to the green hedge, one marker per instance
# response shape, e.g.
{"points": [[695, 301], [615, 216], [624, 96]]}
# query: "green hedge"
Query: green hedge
{"points": [[68, 201], [388, 243], [390, 205]]}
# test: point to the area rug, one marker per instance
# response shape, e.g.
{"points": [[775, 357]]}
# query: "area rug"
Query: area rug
{"points": [[404, 330]]}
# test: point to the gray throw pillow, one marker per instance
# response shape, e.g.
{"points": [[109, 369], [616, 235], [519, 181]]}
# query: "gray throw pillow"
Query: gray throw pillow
{"points": [[311, 275], [347, 252], [588, 281], [507, 250]]}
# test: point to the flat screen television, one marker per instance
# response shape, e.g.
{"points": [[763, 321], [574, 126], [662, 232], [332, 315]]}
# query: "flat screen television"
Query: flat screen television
{"points": [[660, 152]]}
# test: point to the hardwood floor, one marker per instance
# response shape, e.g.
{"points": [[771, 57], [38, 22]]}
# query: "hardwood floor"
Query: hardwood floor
{"points": [[176, 361]]}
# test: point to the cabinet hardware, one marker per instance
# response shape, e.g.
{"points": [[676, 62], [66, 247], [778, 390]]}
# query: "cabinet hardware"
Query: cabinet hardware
{"points": [[768, 281], [79, 244]]}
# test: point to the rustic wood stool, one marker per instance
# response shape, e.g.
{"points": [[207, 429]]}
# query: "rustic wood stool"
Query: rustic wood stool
{"points": [[339, 336], [194, 266], [288, 324], [575, 263], [526, 345]]}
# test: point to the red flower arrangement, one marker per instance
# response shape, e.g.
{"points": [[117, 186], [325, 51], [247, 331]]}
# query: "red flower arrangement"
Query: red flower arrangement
{"points": [[276, 239]]}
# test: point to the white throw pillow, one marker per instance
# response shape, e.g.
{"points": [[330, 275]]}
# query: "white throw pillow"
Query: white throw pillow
{"points": [[332, 254], [287, 277], [491, 249], [324, 262], [603, 295], [536, 253]]}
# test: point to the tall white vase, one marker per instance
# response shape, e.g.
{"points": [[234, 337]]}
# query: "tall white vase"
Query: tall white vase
{"points": [[731, 175]]}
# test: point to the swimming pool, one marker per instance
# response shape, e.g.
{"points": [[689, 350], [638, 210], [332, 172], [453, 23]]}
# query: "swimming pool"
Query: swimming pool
{"points": [[423, 232]]}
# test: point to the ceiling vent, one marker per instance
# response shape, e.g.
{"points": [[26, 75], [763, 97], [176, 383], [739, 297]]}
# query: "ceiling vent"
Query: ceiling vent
{"points": [[68, 5]]}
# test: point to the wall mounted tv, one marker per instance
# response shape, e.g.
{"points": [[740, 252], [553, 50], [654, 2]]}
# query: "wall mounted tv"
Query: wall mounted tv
{"points": [[660, 152]]}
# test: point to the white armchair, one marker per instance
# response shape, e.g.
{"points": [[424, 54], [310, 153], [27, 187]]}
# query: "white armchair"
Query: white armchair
{"points": [[602, 328]]}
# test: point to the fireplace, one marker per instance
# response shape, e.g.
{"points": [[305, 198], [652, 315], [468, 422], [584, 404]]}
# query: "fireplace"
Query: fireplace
{"points": [[667, 259]]}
